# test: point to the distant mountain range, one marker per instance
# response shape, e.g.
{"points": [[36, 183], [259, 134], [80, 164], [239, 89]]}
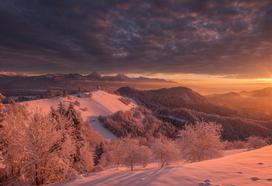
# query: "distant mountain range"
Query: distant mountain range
{"points": [[13, 85], [181, 106], [95, 76], [255, 104]]}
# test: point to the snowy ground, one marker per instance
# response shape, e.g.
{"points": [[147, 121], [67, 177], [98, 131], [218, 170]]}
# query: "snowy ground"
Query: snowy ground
{"points": [[100, 103], [243, 169]]}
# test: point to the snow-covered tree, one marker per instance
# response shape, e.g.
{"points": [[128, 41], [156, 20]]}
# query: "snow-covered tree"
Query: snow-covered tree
{"points": [[200, 141], [48, 146], [129, 152], [43, 146], [13, 136], [133, 153], [165, 151]]}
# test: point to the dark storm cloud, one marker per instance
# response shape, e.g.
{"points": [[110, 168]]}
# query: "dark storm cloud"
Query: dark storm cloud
{"points": [[227, 37]]}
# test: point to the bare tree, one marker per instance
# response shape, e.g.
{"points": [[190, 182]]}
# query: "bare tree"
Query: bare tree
{"points": [[200, 141]]}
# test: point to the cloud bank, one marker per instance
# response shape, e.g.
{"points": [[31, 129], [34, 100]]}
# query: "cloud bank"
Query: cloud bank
{"points": [[226, 37]]}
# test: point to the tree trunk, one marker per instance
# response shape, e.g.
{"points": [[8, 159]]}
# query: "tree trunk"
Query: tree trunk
{"points": [[36, 175], [162, 162], [131, 165]]}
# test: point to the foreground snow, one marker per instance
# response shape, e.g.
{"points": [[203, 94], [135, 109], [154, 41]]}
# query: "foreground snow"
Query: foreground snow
{"points": [[100, 103], [246, 168]]}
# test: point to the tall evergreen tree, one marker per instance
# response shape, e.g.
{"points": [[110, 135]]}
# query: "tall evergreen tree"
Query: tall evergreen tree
{"points": [[99, 150]]}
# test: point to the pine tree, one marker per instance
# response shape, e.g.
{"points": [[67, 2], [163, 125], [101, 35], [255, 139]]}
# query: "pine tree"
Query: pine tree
{"points": [[61, 109], [99, 150]]}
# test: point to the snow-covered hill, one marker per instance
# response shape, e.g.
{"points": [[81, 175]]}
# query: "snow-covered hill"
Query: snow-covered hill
{"points": [[91, 105], [244, 169]]}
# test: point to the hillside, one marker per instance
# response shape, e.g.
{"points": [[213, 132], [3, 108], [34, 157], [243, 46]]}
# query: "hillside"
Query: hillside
{"points": [[243, 169], [176, 97], [181, 105], [97, 103]]}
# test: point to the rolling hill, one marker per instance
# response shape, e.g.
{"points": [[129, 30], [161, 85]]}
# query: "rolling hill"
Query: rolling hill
{"points": [[181, 105], [90, 105]]}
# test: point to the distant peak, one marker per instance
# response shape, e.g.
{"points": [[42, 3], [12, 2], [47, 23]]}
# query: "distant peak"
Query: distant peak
{"points": [[94, 75], [121, 75]]}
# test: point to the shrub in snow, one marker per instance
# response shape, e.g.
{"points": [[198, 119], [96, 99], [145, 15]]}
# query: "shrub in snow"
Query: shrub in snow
{"points": [[200, 141], [238, 144], [255, 142]]}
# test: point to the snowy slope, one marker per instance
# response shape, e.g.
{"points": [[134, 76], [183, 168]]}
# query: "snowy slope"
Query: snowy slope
{"points": [[243, 169], [99, 103]]}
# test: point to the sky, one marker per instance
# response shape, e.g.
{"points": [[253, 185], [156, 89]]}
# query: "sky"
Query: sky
{"points": [[186, 40]]}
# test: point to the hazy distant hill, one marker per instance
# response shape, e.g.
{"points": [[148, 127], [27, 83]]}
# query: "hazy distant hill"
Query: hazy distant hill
{"points": [[28, 85], [173, 98], [181, 105], [255, 104]]}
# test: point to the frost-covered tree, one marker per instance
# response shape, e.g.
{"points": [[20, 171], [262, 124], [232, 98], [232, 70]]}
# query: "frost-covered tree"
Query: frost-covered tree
{"points": [[165, 151], [48, 149], [200, 141], [129, 152], [80, 132], [13, 136], [133, 153]]}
